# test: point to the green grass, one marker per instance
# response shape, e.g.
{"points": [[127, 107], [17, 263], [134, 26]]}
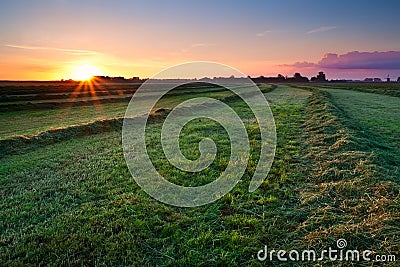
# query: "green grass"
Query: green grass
{"points": [[392, 89], [287, 95], [378, 113], [353, 192], [74, 202], [29, 122]]}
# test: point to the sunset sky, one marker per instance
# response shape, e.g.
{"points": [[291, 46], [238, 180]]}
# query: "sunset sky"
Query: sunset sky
{"points": [[55, 39]]}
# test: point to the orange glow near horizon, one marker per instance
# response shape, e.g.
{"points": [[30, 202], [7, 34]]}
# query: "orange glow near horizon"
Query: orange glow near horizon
{"points": [[83, 72]]}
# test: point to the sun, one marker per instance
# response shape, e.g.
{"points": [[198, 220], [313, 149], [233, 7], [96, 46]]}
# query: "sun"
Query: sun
{"points": [[83, 72]]}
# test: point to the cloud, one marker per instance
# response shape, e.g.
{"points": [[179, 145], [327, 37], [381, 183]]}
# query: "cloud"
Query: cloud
{"points": [[201, 45], [304, 64], [321, 29], [69, 51], [261, 34], [389, 60], [362, 60]]}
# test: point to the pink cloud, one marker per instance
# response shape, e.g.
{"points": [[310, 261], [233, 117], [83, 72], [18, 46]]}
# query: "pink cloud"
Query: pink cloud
{"points": [[304, 64], [355, 60], [362, 60]]}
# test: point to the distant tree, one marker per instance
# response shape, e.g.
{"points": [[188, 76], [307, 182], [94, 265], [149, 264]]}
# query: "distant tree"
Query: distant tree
{"points": [[281, 78], [398, 80], [298, 78], [320, 77]]}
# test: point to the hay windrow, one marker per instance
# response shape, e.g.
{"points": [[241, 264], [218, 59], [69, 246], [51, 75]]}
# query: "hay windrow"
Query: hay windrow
{"points": [[18, 144], [348, 195]]}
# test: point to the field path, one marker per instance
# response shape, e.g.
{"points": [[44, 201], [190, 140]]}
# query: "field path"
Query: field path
{"points": [[284, 94]]}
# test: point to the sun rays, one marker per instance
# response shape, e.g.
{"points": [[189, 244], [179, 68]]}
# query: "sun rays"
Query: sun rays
{"points": [[85, 94], [84, 72]]}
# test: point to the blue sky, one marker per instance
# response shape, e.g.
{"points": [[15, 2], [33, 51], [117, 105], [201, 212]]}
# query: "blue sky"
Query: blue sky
{"points": [[131, 38]]}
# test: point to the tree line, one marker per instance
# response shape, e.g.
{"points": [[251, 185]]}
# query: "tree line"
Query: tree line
{"points": [[297, 77]]}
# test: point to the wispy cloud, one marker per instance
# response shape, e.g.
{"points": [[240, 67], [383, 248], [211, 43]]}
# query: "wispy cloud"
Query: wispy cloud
{"points": [[192, 47], [261, 34], [302, 65], [321, 29], [69, 51], [201, 45]]}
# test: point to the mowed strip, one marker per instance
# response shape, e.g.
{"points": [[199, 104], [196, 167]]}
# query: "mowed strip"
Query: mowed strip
{"points": [[287, 95], [378, 113], [353, 192], [29, 122]]}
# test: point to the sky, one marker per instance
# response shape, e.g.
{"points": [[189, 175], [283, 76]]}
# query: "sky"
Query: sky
{"points": [[60, 39]]}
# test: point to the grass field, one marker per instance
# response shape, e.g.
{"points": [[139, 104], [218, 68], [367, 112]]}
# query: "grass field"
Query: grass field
{"points": [[378, 113], [335, 175], [376, 88], [28, 122]]}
